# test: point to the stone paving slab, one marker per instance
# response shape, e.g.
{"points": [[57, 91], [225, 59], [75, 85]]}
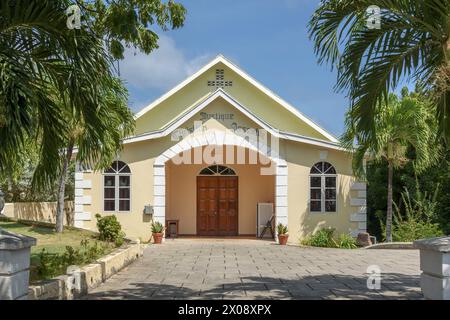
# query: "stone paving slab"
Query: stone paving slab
{"points": [[253, 269]]}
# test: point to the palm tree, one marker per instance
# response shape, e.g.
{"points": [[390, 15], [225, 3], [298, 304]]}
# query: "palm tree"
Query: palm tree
{"points": [[43, 63], [57, 87], [399, 125], [95, 151], [413, 42], [54, 82]]}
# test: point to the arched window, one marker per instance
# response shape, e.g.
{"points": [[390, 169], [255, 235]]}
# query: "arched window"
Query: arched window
{"points": [[117, 185], [217, 170], [322, 183]]}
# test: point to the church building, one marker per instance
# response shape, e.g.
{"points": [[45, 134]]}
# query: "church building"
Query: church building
{"points": [[220, 155]]}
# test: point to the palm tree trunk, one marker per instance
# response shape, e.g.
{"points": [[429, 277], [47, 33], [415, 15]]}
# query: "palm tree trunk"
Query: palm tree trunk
{"points": [[62, 188], [389, 204]]}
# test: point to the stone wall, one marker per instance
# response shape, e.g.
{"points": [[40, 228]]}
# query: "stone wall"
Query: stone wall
{"points": [[38, 211], [78, 282]]}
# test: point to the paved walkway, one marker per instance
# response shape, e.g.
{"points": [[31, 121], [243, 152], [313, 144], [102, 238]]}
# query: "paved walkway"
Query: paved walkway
{"points": [[251, 269]]}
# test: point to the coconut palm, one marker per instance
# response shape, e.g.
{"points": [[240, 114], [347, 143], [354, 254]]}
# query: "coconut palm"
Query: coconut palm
{"points": [[399, 125], [412, 42]]}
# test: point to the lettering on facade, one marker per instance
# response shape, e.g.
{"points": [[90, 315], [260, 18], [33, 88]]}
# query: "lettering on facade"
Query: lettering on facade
{"points": [[217, 116], [225, 118]]}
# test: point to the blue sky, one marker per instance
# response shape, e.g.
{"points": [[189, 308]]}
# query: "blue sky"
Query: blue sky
{"points": [[266, 38]]}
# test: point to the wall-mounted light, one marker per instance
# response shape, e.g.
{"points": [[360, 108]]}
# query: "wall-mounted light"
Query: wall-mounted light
{"points": [[148, 209]]}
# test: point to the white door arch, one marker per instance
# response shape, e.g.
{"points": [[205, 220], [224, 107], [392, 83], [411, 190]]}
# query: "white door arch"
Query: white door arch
{"points": [[216, 137]]}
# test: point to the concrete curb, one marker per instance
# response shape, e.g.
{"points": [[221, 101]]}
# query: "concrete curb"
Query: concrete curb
{"points": [[393, 246], [80, 281]]}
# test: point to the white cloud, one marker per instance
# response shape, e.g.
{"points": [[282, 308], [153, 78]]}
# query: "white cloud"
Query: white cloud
{"points": [[162, 69]]}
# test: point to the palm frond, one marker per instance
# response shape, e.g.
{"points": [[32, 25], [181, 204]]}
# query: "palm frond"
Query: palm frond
{"points": [[411, 43], [45, 70]]}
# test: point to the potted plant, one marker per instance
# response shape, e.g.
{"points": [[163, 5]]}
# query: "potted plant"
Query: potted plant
{"points": [[157, 232], [282, 234]]}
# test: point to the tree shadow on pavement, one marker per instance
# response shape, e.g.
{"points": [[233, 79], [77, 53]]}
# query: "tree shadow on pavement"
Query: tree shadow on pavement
{"points": [[327, 286]]}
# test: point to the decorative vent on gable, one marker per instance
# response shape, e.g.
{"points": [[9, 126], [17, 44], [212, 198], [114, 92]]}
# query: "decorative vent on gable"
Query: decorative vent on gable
{"points": [[220, 80]]}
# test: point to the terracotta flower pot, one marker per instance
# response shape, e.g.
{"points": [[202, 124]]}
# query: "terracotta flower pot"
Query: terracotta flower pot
{"points": [[157, 238], [282, 239]]}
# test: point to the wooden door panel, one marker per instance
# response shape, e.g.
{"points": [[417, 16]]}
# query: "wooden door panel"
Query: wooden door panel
{"points": [[201, 205], [217, 206], [201, 183], [232, 193], [231, 182], [202, 193], [202, 224], [228, 219], [207, 205], [223, 193]]}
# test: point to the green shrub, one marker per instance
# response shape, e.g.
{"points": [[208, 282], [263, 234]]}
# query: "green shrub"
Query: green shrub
{"points": [[418, 221], [282, 229], [54, 264], [110, 229], [410, 230], [157, 227], [72, 257], [322, 238], [325, 238], [92, 252], [49, 265], [346, 241]]}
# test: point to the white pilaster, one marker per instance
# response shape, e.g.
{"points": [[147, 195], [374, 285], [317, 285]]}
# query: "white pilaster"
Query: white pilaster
{"points": [[159, 193], [360, 202], [281, 196], [81, 199]]}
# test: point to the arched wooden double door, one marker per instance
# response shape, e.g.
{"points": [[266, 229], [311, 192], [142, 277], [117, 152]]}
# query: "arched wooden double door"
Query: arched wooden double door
{"points": [[217, 202]]}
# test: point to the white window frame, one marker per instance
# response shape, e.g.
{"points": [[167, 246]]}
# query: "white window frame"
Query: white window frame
{"points": [[219, 173], [322, 190], [117, 198]]}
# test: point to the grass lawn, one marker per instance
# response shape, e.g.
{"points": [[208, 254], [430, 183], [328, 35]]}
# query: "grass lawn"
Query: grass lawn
{"points": [[52, 242]]}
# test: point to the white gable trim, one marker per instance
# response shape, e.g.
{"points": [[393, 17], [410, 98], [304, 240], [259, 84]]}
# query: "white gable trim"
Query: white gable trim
{"points": [[178, 87], [223, 94], [186, 116], [312, 141], [247, 77]]}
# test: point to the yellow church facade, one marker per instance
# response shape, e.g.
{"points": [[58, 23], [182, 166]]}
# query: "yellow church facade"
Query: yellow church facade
{"points": [[220, 155]]}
